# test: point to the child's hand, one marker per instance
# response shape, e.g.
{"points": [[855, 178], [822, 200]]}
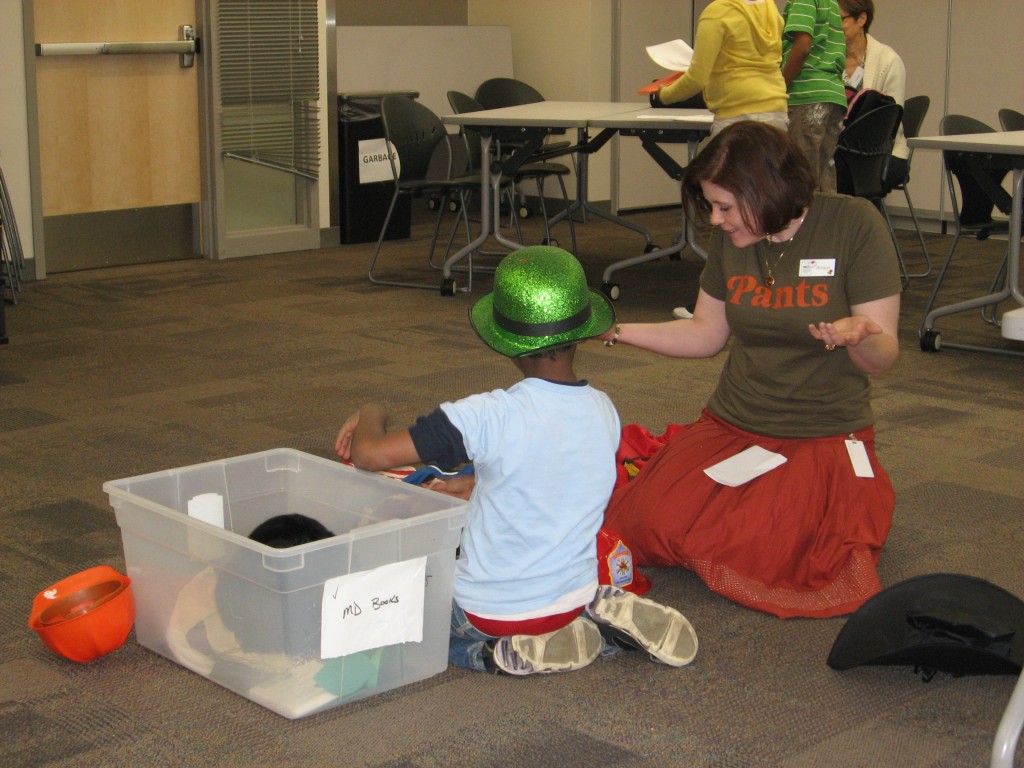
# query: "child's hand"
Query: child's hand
{"points": [[460, 486], [343, 443]]}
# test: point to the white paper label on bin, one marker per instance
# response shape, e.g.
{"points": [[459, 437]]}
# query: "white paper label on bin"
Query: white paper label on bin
{"points": [[374, 161], [372, 609]]}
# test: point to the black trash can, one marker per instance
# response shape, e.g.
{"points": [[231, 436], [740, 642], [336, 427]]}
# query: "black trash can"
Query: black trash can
{"points": [[365, 171]]}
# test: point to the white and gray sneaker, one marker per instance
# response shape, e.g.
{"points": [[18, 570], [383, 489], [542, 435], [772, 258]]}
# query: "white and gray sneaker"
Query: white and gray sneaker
{"points": [[634, 622], [572, 647], [682, 313]]}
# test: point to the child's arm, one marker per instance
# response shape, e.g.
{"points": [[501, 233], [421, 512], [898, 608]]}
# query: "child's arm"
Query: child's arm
{"points": [[798, 54], [365, 441]]}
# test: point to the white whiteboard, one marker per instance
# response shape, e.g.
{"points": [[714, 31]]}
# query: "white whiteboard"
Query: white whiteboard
{"points": [[431, 60]]}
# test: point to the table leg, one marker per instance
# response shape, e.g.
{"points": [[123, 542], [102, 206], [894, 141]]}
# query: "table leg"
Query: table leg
{"points": [[582, 202], [930, 339], [490, 217], [687, 235]]}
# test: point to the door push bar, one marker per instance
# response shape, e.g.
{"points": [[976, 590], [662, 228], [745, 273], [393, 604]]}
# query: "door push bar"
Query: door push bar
{"points": [[186, 46]]}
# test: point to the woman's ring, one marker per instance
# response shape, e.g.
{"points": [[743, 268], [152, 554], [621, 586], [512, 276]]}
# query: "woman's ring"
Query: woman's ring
{"points": [[829, 347]]}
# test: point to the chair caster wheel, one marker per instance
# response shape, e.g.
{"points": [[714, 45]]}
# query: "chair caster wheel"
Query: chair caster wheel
{"points": [[552, 242], [448, 286], [931, 341], [433, 203], [453, 205], [524, 212], [611, 290], [650, 248]]}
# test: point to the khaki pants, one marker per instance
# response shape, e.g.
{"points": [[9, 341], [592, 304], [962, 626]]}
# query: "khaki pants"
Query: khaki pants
{"points": [[815, 128]]}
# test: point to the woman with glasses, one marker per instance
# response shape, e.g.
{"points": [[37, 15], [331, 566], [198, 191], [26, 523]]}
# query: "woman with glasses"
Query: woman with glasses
{"points": [[871, 64]]}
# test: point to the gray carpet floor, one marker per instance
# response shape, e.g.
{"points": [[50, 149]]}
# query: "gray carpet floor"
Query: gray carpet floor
{"points": [[118, 372]]}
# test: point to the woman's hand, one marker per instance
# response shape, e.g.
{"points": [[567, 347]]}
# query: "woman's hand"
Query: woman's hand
{"points": [[845, 332], [869, 334]]}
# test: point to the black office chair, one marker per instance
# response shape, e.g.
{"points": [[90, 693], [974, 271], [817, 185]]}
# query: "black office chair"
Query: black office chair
{"points": [[416, 133], [1011, 120], [499, 92], [914, 110], [537, 172], [980, 193], [862, 160]]}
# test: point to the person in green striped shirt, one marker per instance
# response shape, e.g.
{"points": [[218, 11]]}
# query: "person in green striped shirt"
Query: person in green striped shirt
{"points": [[813, 60]]}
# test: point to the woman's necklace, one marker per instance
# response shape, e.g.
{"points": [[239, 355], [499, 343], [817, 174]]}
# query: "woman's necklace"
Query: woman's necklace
{"points": [[769, 278]]}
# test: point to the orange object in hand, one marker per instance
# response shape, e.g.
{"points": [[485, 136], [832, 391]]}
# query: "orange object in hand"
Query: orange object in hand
{"points": [[666, 80]]}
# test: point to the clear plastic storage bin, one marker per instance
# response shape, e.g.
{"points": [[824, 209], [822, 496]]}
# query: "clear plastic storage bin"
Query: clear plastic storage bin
{"points": [[254, 618]]}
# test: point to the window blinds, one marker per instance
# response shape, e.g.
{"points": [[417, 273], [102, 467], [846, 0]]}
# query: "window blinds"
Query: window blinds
{"points": [[268, 71]]}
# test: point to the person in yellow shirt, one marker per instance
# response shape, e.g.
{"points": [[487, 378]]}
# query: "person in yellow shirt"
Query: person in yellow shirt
{"points": [[737, 55]]}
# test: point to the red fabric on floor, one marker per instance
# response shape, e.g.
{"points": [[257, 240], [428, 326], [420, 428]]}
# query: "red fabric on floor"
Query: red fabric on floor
{"points": [[801, 540]]}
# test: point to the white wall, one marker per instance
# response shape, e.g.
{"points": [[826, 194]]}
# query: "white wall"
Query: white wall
{"points": [[14, 122], [563, 50], [641, 183]]}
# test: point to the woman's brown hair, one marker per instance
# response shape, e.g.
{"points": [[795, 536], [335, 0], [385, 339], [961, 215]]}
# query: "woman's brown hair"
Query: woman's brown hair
{"points": [[856, 7], [761, 166]]}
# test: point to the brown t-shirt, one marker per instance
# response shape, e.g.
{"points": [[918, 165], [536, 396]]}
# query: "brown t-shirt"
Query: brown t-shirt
{"points": [[779, 380]]}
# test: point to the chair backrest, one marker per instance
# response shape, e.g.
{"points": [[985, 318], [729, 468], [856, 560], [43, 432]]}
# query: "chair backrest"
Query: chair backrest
{"points": [[461, 102], [501, 92], [414, 131], [975, 203], [914, 110], [863, 151], [1011, 120]]}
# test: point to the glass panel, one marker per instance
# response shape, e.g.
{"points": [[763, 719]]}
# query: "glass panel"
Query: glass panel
{"points": [[257, 197]]}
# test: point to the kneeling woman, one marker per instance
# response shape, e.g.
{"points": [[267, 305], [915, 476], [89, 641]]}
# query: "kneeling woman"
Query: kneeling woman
{"points": [[807, 287]]}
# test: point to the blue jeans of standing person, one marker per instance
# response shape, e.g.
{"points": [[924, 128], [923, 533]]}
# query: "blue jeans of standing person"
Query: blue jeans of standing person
{"points": [[466, 642]]}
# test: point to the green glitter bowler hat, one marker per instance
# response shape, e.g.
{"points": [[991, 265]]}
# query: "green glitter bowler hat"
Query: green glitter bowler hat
{"points": [[540, 300]]}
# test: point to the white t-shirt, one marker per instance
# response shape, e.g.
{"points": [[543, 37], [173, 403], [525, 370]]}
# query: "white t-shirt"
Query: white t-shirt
{"points": [[544, 457]]}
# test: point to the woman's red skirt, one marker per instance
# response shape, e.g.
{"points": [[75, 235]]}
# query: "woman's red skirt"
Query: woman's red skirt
{"points": [[801, 540]]}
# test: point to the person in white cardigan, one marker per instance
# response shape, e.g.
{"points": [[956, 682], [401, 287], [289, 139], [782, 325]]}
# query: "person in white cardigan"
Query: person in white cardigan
{"points": [[873, 64]]}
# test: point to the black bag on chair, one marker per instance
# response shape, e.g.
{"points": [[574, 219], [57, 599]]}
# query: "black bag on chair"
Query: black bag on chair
{"points": [[865, 101]]}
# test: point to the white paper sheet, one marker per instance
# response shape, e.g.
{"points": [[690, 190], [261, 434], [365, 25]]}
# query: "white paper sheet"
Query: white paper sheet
{"points": [[675, 55], [372, 609], [208, 507], [745, 466], [659, 115]]}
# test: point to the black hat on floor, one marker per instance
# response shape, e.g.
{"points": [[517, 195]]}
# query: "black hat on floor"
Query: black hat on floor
{"points": [[939, 622]]}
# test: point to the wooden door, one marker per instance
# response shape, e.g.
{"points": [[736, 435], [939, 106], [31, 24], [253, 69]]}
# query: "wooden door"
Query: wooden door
{"points": [[118, 136]]}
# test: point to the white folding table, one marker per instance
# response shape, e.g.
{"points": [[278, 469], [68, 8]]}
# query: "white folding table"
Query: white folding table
{"points": [[532, 123], [1008, 147]]}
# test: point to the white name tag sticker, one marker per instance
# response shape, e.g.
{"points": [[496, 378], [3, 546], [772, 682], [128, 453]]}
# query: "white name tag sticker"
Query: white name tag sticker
{"points": [[372, 609], [817, 267], [859, 459]]}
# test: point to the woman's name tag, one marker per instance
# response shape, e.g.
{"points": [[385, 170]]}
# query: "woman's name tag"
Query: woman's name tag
{"points": [[817, 267]]}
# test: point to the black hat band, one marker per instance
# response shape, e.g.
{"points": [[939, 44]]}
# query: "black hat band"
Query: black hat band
{"points": [[553, 328]]}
